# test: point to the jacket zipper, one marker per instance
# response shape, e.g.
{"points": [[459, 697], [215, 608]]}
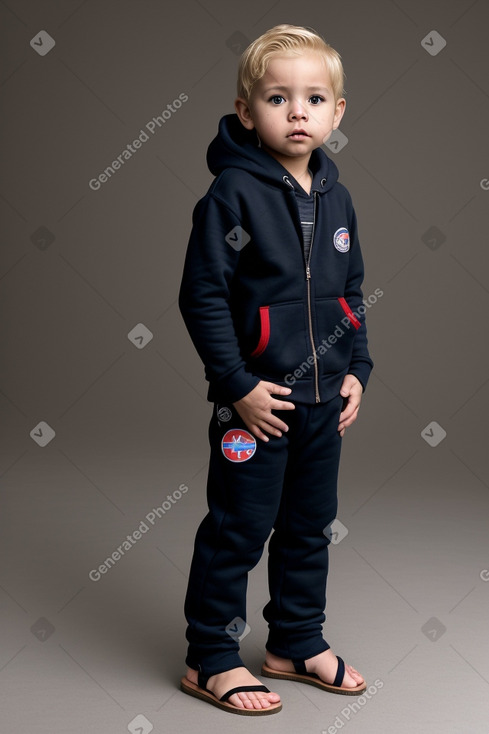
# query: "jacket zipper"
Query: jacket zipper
{"points": [[309, 310]]}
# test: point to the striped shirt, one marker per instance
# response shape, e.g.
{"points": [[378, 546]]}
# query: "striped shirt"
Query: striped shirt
{"points": [[305, 202]]}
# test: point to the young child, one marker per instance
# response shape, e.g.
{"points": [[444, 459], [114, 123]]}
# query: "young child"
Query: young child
{"points": [[271, 296]]}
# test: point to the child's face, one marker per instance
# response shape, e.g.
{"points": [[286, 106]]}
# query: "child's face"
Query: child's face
{"points": [[295, 93]]}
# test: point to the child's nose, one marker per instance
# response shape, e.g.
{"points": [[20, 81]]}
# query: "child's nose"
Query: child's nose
{"points": [[297, 110]]}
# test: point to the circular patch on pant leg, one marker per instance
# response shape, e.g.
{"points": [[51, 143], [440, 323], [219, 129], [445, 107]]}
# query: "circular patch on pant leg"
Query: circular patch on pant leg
{"points": [[238, 445]]}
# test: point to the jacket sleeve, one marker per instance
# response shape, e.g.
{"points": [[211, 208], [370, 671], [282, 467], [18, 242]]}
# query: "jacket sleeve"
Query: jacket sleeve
{"points": [[204, 298], [361, 364]]}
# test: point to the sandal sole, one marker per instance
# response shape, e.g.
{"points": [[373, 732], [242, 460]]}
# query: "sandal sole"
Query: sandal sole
{"points": [[194, 690], [298, 678]]}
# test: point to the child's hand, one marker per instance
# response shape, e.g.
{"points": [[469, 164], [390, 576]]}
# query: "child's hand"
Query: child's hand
{"points": [[256, 409], [351, 389]]}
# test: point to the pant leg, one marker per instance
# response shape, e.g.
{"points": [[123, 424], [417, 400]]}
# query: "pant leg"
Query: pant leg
{"points": [[298, 548], [243, 498]]}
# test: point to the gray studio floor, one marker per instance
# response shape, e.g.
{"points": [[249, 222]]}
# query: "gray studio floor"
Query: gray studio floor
{"points": [[407, 594]]}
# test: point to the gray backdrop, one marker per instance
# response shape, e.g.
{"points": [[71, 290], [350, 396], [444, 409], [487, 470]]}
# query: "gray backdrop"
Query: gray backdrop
{"points": [[103, 401]]}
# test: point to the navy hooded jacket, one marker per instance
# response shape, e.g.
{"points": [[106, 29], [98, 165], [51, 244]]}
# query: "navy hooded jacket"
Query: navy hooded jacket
{"points": [[254, 308]]}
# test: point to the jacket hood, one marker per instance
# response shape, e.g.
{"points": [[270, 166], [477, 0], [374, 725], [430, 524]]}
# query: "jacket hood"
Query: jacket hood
{"points": [[236, 147]]}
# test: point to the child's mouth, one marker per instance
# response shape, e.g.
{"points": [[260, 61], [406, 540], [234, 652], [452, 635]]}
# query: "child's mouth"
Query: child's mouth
{"points": [[298, 135]]}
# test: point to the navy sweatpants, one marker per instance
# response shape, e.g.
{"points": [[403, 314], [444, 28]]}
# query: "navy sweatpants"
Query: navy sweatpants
{"points": [[287, 485]]}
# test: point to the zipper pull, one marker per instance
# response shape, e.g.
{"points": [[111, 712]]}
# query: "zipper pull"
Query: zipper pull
{"points": [[308, 273]]}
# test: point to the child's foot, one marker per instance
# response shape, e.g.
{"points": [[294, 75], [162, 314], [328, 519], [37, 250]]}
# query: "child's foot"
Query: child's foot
{"points": [[325, 665], [223, 682]]}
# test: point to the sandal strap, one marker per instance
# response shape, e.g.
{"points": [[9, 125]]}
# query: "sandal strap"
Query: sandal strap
{"points": [[202, 683], [340, 673], [300, 668], [243, 689], [202, 680]]}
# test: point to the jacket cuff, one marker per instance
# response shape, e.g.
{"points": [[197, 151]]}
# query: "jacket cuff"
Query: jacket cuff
{"points": [[233, 387], [361, 370]]}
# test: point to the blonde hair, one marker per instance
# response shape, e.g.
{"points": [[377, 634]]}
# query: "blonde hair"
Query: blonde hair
{"points": [[281, 39]]}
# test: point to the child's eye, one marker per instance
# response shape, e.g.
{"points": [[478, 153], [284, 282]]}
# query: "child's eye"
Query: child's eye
{"points": [[277, 99], [316, 99]]}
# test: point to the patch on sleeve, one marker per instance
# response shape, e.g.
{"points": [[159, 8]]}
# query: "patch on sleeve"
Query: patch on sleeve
{"points": [[341, 239]]}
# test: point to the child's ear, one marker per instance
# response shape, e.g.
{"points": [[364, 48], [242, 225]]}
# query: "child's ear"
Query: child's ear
{"points": [[243, 111], [339, 112]]}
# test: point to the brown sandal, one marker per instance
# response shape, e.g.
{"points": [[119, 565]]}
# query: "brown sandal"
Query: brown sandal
{"points": [[201, 691], [302, 676]]}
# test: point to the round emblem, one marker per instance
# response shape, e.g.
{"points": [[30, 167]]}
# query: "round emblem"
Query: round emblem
{"points": [[224, 414], [238, 445], [341, 239]]}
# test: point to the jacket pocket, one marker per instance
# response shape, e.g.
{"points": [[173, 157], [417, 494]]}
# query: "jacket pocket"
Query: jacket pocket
{"points": [[351, 316], [283, 340], [336, 326], [264, 331]]}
